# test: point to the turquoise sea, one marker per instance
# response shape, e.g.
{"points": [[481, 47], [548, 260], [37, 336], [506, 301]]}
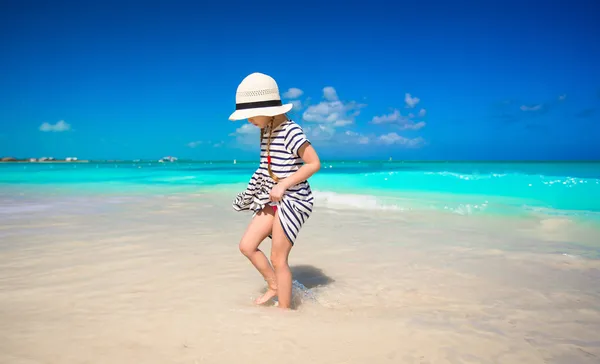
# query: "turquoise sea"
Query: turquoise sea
{"points": [[465, 188]]}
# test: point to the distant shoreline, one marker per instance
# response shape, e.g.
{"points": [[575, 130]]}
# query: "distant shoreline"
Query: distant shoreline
{"points": [[322, 161], [54, 161]]}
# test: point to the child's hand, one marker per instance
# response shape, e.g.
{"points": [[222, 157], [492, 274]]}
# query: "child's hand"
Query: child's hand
{"points": [[277, 191]]}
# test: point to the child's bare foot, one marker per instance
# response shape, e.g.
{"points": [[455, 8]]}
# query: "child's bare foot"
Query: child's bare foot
{"points": [[266, 297]]}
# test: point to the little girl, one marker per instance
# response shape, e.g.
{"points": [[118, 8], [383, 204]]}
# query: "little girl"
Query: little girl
{"points": [[278, 192]]}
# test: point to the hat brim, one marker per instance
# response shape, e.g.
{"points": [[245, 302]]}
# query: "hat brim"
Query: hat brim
{"points": [[261, 111]]}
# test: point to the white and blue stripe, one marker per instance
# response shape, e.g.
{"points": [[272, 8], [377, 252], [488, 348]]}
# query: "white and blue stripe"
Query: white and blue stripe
{"points": [[297, 203]]}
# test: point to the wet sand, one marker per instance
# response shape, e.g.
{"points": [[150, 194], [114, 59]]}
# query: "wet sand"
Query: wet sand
{"points": [[160, 280]]}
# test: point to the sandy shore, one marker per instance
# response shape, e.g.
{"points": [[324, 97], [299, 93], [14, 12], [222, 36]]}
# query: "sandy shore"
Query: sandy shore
{"points": [[160, 280]]}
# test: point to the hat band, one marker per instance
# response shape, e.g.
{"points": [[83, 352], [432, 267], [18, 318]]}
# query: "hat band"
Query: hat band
{"points": [[257, 104]]}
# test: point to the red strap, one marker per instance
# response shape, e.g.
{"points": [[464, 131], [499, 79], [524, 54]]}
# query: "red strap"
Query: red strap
{"points": [[269, 159]]}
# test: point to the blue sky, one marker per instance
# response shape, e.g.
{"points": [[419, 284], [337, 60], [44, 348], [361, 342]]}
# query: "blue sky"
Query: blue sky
{"points": [[412, 80]]}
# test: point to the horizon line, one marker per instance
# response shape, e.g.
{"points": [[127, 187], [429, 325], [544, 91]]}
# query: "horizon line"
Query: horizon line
{"points": [[180, 160]]}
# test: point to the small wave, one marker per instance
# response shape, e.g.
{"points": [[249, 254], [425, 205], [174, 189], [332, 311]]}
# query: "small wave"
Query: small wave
{"points": [[548, 211], [467, 209], [455, 204], [520, 178], [565, 181], [340, 201], [23, 208], [175, 179], [571, 256], [464, 176], [467, 176]]}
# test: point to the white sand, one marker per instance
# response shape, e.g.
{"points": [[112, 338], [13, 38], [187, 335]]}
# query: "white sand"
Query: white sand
{"points": [[160, 280]]}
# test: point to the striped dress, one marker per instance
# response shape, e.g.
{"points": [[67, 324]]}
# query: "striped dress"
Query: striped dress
{"points": [[297, 202]]}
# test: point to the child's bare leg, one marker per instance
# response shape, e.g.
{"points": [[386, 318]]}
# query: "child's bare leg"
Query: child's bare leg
{"points": [[279, 258], [258, 229]]}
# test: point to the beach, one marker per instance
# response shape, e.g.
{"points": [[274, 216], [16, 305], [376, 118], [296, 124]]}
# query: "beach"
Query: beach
{"points": [[123, 275]]}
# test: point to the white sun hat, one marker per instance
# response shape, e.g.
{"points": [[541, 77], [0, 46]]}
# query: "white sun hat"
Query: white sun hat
{"points": [[258, 95]]}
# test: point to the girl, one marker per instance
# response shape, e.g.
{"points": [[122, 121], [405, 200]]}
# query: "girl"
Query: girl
{"points": [[278, 192]]}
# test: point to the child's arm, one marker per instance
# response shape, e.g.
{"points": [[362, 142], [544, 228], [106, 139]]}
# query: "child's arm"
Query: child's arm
{"points": [[311, 165]]}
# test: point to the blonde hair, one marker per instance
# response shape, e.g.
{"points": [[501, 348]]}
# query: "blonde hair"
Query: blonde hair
{"points": [[262, 133]]}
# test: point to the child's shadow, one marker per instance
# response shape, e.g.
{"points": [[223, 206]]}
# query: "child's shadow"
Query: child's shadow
{"points": [[310, 276]]}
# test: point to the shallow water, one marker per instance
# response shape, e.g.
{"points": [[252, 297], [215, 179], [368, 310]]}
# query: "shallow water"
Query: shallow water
{"points": [[522, 189], [128, 266], [158, 278]]}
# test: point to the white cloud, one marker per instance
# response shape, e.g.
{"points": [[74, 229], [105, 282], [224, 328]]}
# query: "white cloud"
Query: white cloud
{"points": [[393, 138], [422, 113], [411, 101], [562, 97], [293, 93], [246, 129], [355, 138], [297, 104], [321, 132], [389, 118], [343, 122], [58, 127], [247, 134], [332, 111], [328, 133], [209, 143], [293, 96], [531, 108], [352, 137], [330, 94], [413, 126], [404, 122], [194, 144]]}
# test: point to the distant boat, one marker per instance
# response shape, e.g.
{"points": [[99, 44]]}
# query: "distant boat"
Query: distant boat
{"points": [[167, 159], [234, 161]]}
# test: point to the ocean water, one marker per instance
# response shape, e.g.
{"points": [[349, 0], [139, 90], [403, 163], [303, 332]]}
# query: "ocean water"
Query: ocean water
{"points": [[139, 262], [514, 189]]}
